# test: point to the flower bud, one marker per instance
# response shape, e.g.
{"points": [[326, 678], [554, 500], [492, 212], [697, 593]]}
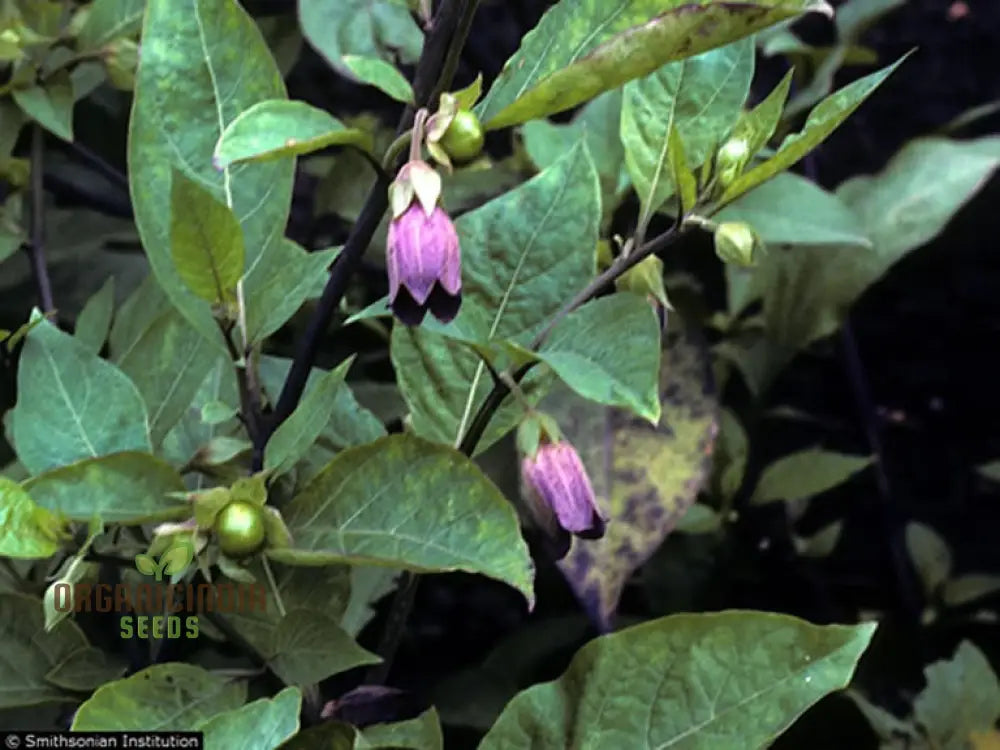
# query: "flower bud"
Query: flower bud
{"points": [[424, 264], [560, 495], [730, 160], [121, 61], [736, 242]]}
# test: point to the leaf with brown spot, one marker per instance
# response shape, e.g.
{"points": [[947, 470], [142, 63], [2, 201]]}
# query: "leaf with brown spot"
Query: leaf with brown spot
{"points": [[644, 477]]}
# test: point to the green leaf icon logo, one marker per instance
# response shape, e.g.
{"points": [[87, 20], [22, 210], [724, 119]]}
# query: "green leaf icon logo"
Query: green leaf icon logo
{"points": [[147, 565], [177, 557]]}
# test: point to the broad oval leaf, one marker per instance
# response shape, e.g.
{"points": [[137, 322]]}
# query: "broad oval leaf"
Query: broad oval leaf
{"points": [[190, 85], [823, 120], [280, 128], [645, 477], [930, 555], [608, 351], [27, 531], [733, 679], [373, 28], [515, 276], [206, 242], [161, 698], [72, 405], [962, 696], [262, 725], [308, 646], [30, 652], [127, 488], [581, 48], [700, 97], [806, 473], [407, 503], [50, 105], [791, 210], [382, 75]]}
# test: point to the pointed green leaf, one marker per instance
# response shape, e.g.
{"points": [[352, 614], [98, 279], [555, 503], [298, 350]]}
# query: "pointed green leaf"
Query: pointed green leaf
{"points": [[108, 20], [407, 503], [127, 488], [94, 321], [30, 653], [700, 681], [421, 733], [516, 275], [368, 584], [27, 531], [203, 63], [806, 473], [930, 554], [823, 120], [276, 288], [280, 128], [138, 312], [701, 97], [86, 669], [168, 363], [581, 48], [206, 242], [72, 405], [308, 646], [372, 28], [758, 125], [962, 696], [161, 698], [262, 725], [645, 477], [297, 433], [50, 105], [608, 351], [681, 173], [382, 75]]}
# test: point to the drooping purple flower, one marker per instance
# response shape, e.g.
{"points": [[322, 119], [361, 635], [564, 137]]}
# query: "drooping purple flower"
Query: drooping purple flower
{"points": [[561, 496], [425, 265]]}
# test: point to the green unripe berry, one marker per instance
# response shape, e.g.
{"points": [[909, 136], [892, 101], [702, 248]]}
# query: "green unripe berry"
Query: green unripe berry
{"points": [[240, 529], [463, 140]]}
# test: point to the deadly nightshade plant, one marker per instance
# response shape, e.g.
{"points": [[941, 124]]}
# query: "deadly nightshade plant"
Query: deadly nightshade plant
{"points": [[423, 257]]}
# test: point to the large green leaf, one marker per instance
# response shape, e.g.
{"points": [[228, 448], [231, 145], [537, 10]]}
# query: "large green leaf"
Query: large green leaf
{"points": [[203, 63], [30, 652], [806, 473], [962, 696], [161, 698], [407, 503], [581, 48], [168, 363], [644, 477], [27, 531], [308, 646], [598, 124], [50, 105], [730, 679], [262, 725], [791, 210], [372, 28], [608, 351], [515, 276], [119, 488], [912, 200], [108, 20], [72, 404], [325, 589], [701, 97], [280, 128], [823, 120], [206, 242], [280, 283]]}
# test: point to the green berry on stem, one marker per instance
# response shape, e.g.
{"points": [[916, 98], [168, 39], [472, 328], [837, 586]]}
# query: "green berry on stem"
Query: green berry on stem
{"points": [[241, 529], [463, 140]]}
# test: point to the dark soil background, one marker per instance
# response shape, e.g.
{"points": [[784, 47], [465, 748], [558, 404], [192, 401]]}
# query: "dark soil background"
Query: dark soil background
{"points": [[926, 335]]}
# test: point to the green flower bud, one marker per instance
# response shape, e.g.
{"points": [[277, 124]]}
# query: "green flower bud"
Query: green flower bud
{"points": [[730, 160], [646, 279], [736, 242], [121, 61]]}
